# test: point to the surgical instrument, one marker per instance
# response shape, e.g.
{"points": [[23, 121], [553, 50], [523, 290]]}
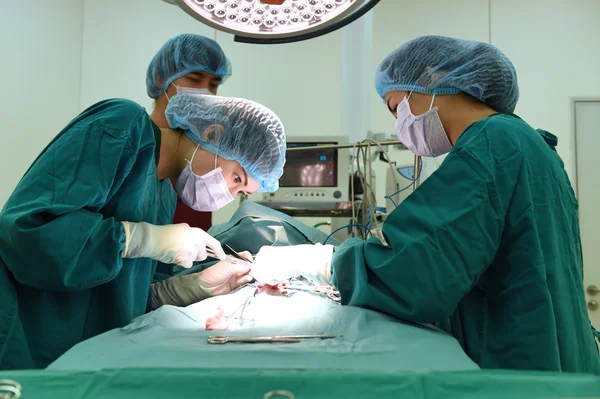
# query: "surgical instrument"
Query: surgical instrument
{"points": [[222, 339], [232, 253], [260, 340], [319, 290], [236, 254]]}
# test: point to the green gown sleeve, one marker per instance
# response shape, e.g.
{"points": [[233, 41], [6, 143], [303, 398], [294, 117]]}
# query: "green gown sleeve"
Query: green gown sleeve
{"points": [[441, 239], [54, 235]]}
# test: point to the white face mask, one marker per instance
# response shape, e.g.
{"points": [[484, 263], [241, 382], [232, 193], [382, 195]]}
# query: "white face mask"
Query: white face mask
{"points": [[206, 193], [190, 90], [424, 135]]}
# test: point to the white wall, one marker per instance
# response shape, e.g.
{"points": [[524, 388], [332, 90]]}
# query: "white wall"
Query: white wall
{"points": [[119, 40], [40, 68], [299, 81], [555, 47]]}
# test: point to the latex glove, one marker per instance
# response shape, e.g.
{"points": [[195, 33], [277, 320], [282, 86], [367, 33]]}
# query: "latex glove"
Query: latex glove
{"points": [[171, 244], [219, 279], [275, 264]]}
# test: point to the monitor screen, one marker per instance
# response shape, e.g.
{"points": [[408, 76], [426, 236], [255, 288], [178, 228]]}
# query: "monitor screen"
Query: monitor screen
{"points": [[315, 168]]}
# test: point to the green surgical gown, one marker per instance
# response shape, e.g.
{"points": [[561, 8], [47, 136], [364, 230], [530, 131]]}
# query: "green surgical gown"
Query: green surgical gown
{"points": [[488, 249], [62, 277]]}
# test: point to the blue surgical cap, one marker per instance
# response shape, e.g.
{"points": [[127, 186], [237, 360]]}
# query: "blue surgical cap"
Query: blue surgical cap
{"points": [[233, 128], [444, 65], [184, 54]]}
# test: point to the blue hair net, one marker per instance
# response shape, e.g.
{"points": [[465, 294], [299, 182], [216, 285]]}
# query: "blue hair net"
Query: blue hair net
{"points": [[181, 55], [233, 128], [444, 65]]}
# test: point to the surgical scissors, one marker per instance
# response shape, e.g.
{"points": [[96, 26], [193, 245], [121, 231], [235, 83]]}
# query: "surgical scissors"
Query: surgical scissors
{"points": [[223, 339]]}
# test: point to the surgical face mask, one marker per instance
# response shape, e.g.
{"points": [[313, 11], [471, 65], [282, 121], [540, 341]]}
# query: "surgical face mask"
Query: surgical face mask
{"points": [[190, 90], [205, 193], [424, 135]]}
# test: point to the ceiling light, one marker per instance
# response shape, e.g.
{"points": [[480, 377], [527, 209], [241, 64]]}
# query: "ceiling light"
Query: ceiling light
{"points": [[275, 21]]}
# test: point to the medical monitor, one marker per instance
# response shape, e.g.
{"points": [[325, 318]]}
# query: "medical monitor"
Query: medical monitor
{"points": [[314, 175]]}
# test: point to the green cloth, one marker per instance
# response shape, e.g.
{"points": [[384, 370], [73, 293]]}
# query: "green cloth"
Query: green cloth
{"points": [[62, 277], [172, 337], [488, 249], [160, 383]]}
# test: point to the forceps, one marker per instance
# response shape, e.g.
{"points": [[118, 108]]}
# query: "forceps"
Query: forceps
{"points": [[236, 254], [231, 251], [223, 339], [319, 290]]}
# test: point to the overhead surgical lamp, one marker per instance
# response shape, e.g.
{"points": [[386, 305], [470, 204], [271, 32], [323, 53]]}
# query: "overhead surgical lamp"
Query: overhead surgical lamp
{"points": [[275, 21]]}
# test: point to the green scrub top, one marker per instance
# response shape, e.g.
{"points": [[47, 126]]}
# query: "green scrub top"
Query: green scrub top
{"points": [[62, 277], [488, 249]]}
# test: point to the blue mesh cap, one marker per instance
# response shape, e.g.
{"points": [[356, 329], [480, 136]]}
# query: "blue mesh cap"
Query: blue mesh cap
{"points": [[444, 65], [233, 128], [181, 55]]}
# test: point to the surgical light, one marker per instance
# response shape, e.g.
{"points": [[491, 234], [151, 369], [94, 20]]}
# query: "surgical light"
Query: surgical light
{"points": [[275, 21]]}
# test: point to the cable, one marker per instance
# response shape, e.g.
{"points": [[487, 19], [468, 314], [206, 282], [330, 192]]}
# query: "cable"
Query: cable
{"points": [[372, 197], [361, 153], [418, 165], [368, 166], [352, 182], [364, 176], [345, 227], [322, 224], [387, 157], [358, 152], [396, 193], [413, 183]]}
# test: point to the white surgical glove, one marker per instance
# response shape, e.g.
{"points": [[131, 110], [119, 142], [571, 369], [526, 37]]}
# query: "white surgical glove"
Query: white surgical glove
{"points": [[171, 244], [219, 279], [275, 264]]}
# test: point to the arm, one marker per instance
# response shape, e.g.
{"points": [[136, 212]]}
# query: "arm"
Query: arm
{"points": [[54, 235], [441, 239], [187, 289]]}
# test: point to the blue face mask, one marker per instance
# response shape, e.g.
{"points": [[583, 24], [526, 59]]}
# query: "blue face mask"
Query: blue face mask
{"points": [[206, 193]]}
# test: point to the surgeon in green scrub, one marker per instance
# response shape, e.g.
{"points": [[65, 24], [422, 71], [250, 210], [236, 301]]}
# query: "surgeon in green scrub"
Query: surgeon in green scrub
{"points": [[488, 247], [186, 63], [81, 234]]}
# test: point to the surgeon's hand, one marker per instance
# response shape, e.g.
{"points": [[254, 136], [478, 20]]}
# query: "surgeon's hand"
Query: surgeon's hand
{"points": [[276, 264], [171, 244], [219, 279]]}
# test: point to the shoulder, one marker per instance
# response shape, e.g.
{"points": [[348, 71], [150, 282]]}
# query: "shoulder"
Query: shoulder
{"points": [[120, 118], [501, 139], [499, 132], [117, 114], [493, 146], [121, 106]]}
